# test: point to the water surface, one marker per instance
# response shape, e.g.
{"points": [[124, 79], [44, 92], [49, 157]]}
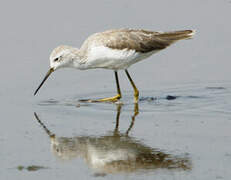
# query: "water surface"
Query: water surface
{"points": [[181, 127]]}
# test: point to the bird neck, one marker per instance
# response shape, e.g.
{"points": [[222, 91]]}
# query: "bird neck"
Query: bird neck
{"points": [[79, 59]]}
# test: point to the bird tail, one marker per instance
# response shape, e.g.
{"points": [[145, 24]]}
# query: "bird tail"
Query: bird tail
{"points": [[174, 36]]}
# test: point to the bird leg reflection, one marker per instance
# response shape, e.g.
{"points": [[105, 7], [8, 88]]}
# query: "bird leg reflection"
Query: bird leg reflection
{"points": [[136, 112], [116, 130]]}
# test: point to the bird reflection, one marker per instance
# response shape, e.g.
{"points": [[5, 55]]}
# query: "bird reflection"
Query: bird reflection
{"points": [[115, 152]]}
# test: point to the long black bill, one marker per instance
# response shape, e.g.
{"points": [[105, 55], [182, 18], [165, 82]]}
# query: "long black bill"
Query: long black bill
{"points": [[45, 78]]}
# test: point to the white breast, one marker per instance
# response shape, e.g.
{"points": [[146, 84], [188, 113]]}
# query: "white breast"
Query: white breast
{"points": [[104, 57]]}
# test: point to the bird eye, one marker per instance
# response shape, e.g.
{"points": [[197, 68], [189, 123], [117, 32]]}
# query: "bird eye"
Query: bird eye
{"points": [[56, 59]]}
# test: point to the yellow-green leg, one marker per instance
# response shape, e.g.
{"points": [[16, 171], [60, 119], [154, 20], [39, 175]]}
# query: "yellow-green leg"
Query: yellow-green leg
{"points": [[136, 92], [109, 99]]}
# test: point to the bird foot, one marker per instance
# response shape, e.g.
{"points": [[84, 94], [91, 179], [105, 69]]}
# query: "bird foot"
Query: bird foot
{"points": [[110, 99]]}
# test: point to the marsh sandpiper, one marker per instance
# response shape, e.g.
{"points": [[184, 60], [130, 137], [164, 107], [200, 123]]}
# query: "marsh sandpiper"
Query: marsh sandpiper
{"points": [[116, 50]]}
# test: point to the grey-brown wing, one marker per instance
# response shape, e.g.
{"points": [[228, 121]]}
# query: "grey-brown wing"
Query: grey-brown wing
{"points": [[138, 40]]}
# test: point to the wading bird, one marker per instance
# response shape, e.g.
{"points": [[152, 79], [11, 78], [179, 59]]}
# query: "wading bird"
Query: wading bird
{"points": [[116, 50]]}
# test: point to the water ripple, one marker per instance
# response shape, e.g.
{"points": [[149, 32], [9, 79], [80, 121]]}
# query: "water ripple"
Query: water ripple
{"points": [[209, 99]]}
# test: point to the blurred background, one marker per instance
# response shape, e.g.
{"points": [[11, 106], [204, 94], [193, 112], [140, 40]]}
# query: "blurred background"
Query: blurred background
{"points": [[31, 29]]}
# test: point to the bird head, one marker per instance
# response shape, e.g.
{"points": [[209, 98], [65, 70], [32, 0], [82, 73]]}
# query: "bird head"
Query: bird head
{"points": [[61, 57]]}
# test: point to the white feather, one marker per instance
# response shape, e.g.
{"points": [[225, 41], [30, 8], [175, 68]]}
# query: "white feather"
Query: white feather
{"points": [[104, 57]]}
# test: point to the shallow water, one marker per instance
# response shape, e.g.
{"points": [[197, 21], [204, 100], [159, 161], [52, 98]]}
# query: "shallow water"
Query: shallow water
{"points": [[180, 128]]}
